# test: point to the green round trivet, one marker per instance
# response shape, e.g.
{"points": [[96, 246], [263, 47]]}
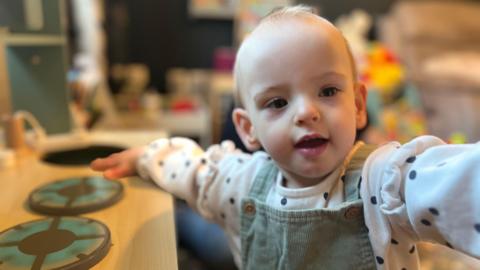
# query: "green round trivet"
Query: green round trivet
{"points": [[62, 243], [74, 196]]}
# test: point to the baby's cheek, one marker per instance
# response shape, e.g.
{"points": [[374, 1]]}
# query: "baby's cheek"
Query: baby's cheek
{"points": [[276, 144]]}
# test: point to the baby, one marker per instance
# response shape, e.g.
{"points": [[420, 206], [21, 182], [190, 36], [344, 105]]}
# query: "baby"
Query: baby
{"points": [[314, 198]]}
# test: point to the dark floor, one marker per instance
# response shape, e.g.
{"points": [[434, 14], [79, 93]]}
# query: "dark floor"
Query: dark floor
{"points": [[188, 262]]}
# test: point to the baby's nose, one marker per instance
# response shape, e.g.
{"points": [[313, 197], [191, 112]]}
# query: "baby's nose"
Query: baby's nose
{"points": [[307, 112]]}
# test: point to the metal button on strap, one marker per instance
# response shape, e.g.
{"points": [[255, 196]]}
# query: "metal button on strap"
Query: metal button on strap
{"points": [[353, 212], [249, 208]]}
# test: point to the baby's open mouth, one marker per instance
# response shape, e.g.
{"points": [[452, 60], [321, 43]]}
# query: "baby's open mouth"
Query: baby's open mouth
{"points": [[311, 146], [310, 142]]}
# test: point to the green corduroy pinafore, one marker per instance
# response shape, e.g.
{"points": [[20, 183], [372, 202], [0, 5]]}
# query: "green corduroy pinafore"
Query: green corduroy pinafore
{"points": [[334, 238]]}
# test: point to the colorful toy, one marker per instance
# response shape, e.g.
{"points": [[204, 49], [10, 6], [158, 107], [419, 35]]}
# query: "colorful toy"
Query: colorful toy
{"points": [[382, 71], [393, 105]]}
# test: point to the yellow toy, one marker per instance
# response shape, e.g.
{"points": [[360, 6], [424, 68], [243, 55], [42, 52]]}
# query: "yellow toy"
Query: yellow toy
{"points": [[382, 71]]}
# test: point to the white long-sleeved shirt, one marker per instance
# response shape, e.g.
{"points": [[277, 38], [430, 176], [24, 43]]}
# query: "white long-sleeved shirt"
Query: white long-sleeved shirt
{"points": [[425, 190]]}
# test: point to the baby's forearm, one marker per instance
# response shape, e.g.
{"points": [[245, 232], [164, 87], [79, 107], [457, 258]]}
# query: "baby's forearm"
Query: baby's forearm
{"points": [[205, 179]]}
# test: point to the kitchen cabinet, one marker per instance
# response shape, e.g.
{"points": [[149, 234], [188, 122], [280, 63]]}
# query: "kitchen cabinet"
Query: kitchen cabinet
{"points": [[33, 61]]}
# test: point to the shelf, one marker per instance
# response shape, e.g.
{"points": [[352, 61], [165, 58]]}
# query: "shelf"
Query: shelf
{"points": [[32, 40]]}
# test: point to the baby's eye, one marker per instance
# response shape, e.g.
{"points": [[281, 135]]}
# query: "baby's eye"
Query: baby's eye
{"points": [[328, 91], [276, 103]]}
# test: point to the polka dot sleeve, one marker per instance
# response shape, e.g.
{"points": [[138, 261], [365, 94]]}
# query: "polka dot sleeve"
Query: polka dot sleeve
{"points": [[424, 190], [442, 185], [172, 165], [208, 180]]}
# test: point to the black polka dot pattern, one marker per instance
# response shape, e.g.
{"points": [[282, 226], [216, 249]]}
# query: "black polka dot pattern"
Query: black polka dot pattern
{"points": [[411, 159], [434, 211], [426, 222], [412, 175], [477, 227]]}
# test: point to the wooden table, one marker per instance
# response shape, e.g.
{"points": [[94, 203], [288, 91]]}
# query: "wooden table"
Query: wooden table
{"points": [[141, 223]]}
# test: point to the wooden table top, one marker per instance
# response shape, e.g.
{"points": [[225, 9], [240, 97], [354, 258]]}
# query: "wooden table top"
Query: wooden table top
{"points": [[141, 223]]}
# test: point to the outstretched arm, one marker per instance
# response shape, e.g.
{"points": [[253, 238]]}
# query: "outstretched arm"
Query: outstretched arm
{"points": [[425, 190], [207, 180]]}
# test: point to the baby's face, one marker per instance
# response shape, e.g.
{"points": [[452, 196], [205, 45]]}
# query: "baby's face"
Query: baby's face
{"points": [[299, 94]]}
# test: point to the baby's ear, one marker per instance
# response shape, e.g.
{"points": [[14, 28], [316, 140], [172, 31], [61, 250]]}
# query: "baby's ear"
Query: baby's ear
{"points": [[361, 105], [245, 129]]}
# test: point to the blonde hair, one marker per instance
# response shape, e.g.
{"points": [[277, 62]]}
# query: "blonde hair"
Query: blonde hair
{"points": [[290, 11], [280, 13]]}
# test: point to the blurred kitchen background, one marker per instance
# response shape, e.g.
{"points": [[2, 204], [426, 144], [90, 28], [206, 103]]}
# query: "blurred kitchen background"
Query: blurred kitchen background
{"points": [[83, 65]]}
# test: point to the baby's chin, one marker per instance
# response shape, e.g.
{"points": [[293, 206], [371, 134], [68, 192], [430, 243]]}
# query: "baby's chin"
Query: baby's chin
{"points": [[306, 178]]}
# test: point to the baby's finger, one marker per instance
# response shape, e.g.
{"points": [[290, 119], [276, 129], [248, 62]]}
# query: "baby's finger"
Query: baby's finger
{"points": [[117, 172], [101, 164]]}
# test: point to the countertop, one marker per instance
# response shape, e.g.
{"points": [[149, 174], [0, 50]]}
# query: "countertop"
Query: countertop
{"points": [[141, 223]]}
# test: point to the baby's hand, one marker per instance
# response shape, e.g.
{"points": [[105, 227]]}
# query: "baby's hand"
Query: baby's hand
{"points": [[118, 165]]}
